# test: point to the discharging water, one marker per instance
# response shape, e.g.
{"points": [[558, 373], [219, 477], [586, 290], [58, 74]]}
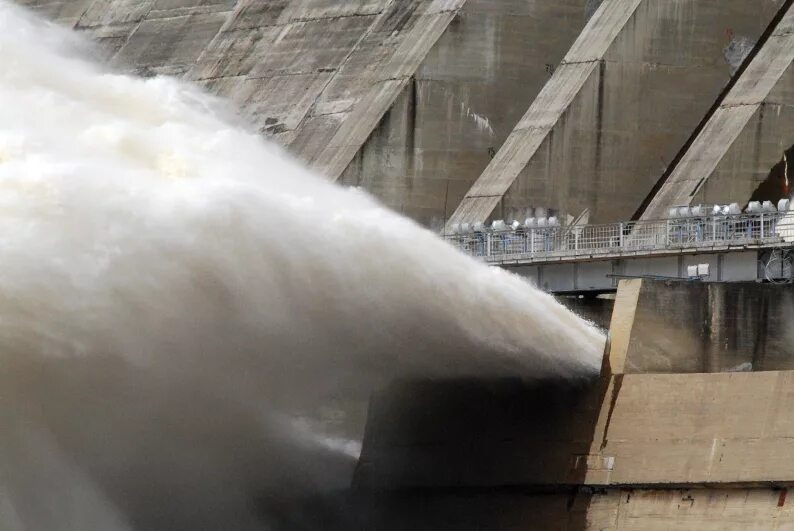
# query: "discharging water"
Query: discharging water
{"points": [[180, 302]]}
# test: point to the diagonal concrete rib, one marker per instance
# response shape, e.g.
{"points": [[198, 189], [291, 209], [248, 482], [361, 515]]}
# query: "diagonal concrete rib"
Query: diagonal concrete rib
{"points": [[462, 103], [314, 75], [323, 109], [618, 109], [577, 67], [767, 81], [338, 146]]}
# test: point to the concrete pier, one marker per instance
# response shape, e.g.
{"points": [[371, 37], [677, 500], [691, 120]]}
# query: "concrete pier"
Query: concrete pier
{"points": [[641, 447]]}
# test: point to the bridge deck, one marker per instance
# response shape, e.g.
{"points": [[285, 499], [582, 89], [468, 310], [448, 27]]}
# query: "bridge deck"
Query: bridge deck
{"points": [[688, 235]]}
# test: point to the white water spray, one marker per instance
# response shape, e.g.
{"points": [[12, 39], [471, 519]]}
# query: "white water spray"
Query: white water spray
{"points": [[177, 297]]}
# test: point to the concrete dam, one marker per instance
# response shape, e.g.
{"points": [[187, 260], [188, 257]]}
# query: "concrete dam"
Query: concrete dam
{"points": [[466, 111], [677, 433], [630, 157]]}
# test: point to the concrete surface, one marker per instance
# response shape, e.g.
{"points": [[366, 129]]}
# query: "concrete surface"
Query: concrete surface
{"points": [[463, 101], [626, 97], [685, 327], [715, 425], [314, 75], [420, 101], [632, 450], [715, 428], [744, 138]]}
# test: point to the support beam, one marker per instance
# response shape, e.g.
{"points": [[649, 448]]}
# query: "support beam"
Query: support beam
{"points": [[616, 111], [745, 136]]}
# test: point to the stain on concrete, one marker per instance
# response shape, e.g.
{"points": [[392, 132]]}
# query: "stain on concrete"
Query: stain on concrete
{"points": [[737, 51]]}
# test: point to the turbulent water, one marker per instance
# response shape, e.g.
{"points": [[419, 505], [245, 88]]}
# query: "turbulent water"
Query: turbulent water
{"points": [[180, 302]]}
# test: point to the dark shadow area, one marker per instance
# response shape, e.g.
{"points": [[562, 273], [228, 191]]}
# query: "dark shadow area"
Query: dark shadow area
{"points": [[476, 454], [776, 186], [593, 307]]}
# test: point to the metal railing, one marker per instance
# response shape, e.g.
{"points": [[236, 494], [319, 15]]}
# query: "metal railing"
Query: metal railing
{"points": [[635, 237]]}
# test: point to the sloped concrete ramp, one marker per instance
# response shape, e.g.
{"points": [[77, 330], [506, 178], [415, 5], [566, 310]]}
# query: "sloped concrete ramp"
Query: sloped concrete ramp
{"points": [[315, 75]]}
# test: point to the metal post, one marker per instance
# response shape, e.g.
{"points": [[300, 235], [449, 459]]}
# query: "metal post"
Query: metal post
{"points": [[621, 235], [532, 242], [488, 244], [762, 225]]}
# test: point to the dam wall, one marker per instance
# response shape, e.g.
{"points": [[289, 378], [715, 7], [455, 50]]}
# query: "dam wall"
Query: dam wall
{"points": [[747, 140], [315, 76], [463, 101], [638, 448], [460, 110], [612, 118], [476, 434]]}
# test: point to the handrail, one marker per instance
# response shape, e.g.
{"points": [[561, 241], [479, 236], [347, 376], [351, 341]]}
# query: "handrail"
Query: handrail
{"points": [[535, 243]]}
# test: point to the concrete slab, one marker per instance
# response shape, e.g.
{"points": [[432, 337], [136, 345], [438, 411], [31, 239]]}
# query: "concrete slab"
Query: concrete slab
{"points": [[169, 44], [702, 429]]}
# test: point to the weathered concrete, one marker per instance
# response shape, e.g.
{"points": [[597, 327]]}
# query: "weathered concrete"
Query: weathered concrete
{"points": [[626, 97], [314, 75], [701, 509], [414, 100], [744, 138], [613, 454], [700, 428], [463, 101], [711, 428], [684, 327]]}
